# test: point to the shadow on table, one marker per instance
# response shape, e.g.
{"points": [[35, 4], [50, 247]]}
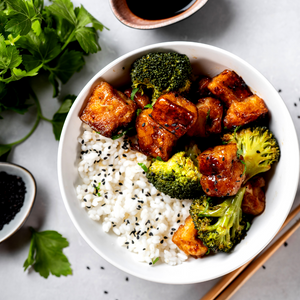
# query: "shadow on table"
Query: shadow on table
{"points": [[207, 24]]}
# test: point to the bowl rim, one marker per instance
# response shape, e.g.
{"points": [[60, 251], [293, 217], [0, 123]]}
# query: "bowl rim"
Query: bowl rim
{"points": [[155, 47], [32, 199]]}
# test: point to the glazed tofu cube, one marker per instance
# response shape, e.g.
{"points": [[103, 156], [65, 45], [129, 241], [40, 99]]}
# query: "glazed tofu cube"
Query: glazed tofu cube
{"points": [[175, 113], [186, 239], [153, 139], [229, 87], [254, 198], [241, 113], [108, 110], [209, 120]]}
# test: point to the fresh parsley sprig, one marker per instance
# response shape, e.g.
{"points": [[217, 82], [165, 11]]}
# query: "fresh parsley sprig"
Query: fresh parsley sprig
{"points": [[36, 39], [45, 254]]}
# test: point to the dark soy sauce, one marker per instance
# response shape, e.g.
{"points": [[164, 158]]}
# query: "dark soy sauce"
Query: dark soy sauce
{"points": [[158, 9]]}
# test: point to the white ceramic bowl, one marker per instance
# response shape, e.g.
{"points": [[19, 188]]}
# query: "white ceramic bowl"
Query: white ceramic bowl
{"points": [[19, 219], [281, 187]]}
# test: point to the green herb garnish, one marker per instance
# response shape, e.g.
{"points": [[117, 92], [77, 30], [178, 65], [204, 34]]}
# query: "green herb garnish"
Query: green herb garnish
{"points": [[158, 158], [45, 254], [143, 166], [115, 137], [248, 226], [208, 115], [34, 39], [148, 106], [154, 261], [134, 91], [207, 252], [138, 111]]}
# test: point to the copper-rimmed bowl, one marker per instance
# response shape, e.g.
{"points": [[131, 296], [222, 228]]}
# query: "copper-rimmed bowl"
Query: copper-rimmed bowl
{"points": [[16, 223], [127, 17]]}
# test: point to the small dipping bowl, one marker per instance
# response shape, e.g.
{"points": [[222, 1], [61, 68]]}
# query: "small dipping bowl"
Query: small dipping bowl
{"points": [[15, 224], [125, 15]]}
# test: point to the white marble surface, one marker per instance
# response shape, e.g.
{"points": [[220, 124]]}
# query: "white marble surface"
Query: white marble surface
{"points": [[264, 33]]}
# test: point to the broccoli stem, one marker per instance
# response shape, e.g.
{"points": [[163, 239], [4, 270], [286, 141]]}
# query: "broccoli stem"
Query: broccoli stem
{"points": [[232, 214]]}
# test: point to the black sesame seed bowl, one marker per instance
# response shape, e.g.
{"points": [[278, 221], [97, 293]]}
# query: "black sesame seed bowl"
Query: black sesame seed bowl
{"points": [[17, 198]]}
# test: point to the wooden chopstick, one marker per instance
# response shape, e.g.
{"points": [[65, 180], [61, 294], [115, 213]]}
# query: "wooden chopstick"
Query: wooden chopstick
{"points": [[253, 267], [227, 279]]}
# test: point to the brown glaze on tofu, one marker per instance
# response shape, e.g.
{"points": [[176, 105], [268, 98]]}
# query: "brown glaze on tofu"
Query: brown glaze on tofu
{"points": [[200, 87], [186, 239], [244, 112], [254, 198], [153, 139], [216, 160], [229, 87], [139, 99], [108, 110], [209, 120], [175, 113], [222, 171]]}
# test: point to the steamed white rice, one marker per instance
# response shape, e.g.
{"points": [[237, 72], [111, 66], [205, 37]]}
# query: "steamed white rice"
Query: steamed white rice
{"points": [[143, 219]]}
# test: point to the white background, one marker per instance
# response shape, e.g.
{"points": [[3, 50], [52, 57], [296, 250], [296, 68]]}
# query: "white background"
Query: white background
{"points": [[264, 33]]}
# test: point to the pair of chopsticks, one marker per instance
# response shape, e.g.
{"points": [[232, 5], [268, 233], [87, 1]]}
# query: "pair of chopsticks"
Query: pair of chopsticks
{"points": [[231, 283]]}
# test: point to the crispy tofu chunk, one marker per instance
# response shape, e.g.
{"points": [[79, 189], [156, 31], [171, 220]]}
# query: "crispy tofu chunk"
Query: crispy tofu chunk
{"points": [[108, 110], [186, 239], [254, 198], [229, 87], [153, 139], [139, 99], [244, 112], [200, 89], [209, 119], [216, 160], [175, 113], [222, 171]]}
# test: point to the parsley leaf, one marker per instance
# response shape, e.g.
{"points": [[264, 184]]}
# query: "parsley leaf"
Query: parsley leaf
{"points": [[63, 9], [45, 254], [22, 14], [9, 57], [248, 226], [44, 47], [67, 64], [60, 116], [86, 37]]}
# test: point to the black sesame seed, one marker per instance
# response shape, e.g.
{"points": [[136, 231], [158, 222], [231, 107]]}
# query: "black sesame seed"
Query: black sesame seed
{"points": [[120, 183], [126, 278], [264, 267], [257, 151], [161, 241], [285, 244], [88, 268], [178, 221], [223, 158], [207, 190], [124, 155], [156, 219], [165, 237], [105, 292], [143, 124], [102, 268]]}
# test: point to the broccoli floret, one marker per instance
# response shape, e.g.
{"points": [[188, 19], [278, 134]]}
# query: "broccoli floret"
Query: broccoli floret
{"points": [[192, 151], [258, 146], [162, 73], [178, 177], [221, 226]]}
